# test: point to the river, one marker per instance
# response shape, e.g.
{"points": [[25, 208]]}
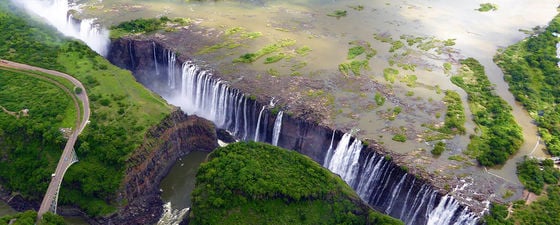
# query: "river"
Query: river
{"points": [[179, 183]]}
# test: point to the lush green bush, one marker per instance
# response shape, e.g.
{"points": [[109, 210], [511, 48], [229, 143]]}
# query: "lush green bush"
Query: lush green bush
{"points": [[399, 138], [455, 116], [531, 70], [438, 148], [256, 183], [534, 174], [500, 136]]}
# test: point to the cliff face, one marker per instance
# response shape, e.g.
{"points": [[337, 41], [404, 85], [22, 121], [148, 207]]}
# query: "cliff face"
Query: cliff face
{"points": [[174, 137], [380, 181]]}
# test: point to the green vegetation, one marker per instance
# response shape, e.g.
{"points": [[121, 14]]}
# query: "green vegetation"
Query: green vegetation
{"points": [[531, 70], [338, 13], [31, 141], [122, 110], [303, 51], [438, 148], [357, 7], [256, 183], [30, 217], [485, 7], [356, 66], [251, 57], [140, 26], [390, 74], [399, 138], [500, 136], [455, 115], [379, 99], [355, 51], [534, 174], [396, 45], [544, 210]]}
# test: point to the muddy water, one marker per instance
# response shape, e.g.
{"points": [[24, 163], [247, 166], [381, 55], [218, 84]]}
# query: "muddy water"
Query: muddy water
{"points": [[179, 183], [477, 34]]}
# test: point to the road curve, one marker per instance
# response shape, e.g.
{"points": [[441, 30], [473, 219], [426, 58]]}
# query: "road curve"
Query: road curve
{"points": [[64, 162]]}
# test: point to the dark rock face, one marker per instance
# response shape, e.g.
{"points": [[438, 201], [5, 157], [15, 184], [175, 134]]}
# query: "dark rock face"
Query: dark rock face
{"points": [[142, 57], [174, 137], [387, 188]]}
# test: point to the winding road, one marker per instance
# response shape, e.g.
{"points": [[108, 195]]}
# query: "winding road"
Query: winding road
{"points": [[51, 196]]}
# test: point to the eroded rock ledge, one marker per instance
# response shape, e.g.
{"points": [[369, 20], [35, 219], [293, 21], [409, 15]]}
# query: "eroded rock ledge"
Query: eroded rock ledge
{"points": [[173, 138]]}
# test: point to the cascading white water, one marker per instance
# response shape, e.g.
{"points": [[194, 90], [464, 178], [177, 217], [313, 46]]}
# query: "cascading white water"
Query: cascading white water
{"points": [[376, 177], [444, 213], [344, 160], [172, 216], [56, 13], [155, 58], [376, 180], [394, 194], [330, 151], [277, 128], [171, 59], [258, 125]]}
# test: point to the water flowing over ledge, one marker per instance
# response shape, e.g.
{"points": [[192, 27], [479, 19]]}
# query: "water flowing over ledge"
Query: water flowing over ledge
{"points": [[377, 180], [59, 14]]}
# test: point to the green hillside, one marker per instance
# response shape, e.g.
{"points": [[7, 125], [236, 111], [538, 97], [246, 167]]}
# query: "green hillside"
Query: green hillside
{"points": [[255, 183], [122, 111]]}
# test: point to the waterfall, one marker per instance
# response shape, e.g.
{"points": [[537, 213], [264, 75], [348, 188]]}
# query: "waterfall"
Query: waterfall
{"points": [[385, 186], [344, 161], [131, 55], [446, 212], [277, 128], [394, 193], [56, 13], [328, 157], [171, 59], [155, 58], [172, 216], [378, 181], [258, 124]]}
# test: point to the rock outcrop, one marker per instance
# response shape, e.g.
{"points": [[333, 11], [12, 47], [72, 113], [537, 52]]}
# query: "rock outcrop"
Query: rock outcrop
{"points": [[173, 138]]}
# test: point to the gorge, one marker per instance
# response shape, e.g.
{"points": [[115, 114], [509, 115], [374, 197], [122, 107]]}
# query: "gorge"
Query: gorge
{"points": [[377, 180], [201, 87]]}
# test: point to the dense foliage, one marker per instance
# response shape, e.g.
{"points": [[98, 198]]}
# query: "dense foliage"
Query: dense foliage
{"points": [[29, 217], [544, 210], [256, 183], [122, 110], [534, 174], [500, 136], [455, 115], [30, 142], [531, 70]]}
